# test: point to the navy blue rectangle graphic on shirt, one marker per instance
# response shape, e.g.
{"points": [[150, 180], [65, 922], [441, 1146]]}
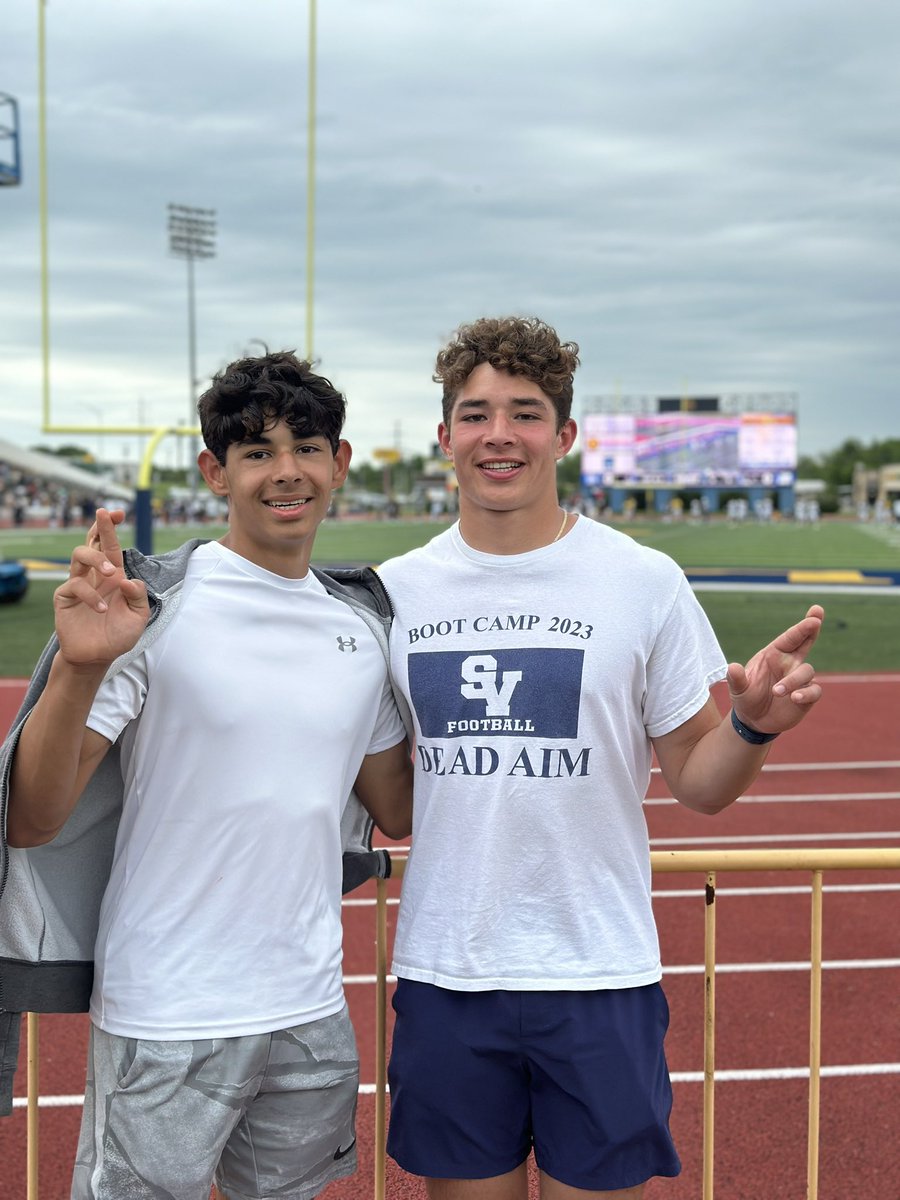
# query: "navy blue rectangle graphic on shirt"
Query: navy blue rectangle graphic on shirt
{"points": [[531, 693]]}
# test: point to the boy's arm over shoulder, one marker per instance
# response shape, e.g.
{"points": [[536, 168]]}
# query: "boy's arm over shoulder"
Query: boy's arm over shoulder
{"points": [[385, 787], [99, 615]]}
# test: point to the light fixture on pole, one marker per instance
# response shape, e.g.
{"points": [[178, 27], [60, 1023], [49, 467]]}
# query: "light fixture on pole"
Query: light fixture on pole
{"points": [[192, 235], [10, 170]]}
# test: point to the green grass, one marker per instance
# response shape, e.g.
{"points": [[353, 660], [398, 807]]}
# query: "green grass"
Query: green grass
{"points": [[832, 544], [862, 632], [24, 628], [337, 541]]}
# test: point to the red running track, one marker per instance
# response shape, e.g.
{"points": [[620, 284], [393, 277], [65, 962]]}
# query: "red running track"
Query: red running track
{"points": [[839, 797]]}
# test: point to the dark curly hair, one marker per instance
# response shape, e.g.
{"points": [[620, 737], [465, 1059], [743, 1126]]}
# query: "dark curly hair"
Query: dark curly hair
{"points": [[521, 345], [252, 394]]}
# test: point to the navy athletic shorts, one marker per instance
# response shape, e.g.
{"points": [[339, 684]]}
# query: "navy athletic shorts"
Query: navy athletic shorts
{"points": [[479, 1079]]}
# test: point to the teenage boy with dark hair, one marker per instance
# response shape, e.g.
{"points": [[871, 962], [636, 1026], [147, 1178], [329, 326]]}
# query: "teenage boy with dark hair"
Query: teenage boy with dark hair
{"points": [[223, 698], [545, 657]]}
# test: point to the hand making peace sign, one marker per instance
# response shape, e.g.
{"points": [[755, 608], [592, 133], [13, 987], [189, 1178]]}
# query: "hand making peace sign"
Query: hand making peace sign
{"points": [[100, 612]]}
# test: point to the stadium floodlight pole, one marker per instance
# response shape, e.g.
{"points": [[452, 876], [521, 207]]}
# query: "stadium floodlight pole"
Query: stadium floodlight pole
{"points": [[310, 179], [192, 234], [42, 207]]}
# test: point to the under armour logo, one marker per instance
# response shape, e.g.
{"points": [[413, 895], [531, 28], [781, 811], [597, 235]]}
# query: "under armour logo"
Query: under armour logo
{"points": [[346, 644], [480, 672]]}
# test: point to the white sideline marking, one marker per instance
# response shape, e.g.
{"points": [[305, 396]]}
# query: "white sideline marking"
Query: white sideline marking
{"points": [[829, 589], [845, 1071]]}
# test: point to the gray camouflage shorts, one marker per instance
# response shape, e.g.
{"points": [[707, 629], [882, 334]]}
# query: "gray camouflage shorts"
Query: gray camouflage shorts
{"points": [[264, 1115]]}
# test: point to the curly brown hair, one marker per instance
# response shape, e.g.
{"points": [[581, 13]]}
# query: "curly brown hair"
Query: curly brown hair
{"points": [[521, 345]]}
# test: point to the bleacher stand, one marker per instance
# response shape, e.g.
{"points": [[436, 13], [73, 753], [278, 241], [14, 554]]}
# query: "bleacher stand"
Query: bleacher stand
{"points": [[43, 491]]}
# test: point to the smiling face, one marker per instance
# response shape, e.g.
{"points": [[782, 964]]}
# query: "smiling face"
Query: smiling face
{"points": [[279, 488], [505, 445]]}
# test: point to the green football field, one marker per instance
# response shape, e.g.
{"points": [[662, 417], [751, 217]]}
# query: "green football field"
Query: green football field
{"points": [[862, 631]]}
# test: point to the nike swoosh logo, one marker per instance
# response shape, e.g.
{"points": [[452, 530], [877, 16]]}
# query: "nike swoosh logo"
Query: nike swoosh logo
{"points": [[342, 1153]]}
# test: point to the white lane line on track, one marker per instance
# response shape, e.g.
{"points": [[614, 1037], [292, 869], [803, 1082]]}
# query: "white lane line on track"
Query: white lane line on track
{"points": [[763, 968], [892, 678], [803, 798], [745, 1075], [51, 1101], [885, 835], [750, 968], [693, 893], [798, 890], [782, 1073], [848, 765]]}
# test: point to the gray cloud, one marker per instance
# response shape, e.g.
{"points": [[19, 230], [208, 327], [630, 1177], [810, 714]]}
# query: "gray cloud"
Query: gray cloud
{"points": [[703, 196]]}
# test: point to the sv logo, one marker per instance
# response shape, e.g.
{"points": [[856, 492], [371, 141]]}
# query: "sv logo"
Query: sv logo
{"points": [[480, 672]]}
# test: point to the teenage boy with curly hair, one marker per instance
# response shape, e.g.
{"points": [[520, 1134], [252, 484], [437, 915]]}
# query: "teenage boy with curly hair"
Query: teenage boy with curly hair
{"points": [[545, 658], [181, 771]]}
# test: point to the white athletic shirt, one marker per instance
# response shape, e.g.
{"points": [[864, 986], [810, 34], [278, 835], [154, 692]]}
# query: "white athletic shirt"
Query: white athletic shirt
{"points": [[245, 725], [536, 681]]}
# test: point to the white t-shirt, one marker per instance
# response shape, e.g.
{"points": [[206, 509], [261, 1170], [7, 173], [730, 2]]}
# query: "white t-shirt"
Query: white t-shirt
{"points": [[536, 681], [245, 724]]}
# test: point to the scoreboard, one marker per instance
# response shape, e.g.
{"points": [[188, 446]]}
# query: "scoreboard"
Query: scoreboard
{"points": [[713, 449]]}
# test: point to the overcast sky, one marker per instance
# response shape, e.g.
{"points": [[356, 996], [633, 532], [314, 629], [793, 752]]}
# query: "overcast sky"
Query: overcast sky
{"points": [[704, 195]]}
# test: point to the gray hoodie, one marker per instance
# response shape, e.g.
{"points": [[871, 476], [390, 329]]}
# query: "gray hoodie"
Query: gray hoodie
{"points": [[50, 895]]}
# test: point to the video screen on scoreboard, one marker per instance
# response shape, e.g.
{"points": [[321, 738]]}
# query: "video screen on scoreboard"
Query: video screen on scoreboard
{"points": [[689, 449]]}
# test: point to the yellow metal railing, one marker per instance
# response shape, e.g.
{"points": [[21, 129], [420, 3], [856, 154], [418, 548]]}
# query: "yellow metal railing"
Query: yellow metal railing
{"points": [[666, 862], [709, 863]]}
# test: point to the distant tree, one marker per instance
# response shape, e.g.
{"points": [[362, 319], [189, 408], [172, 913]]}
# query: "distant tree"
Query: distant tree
{"points": [[367, 476], [836, 467], [808, 467], [568, 474], [72, 453], [69, 451], [176, 476], [370, 477], [885, 452]]}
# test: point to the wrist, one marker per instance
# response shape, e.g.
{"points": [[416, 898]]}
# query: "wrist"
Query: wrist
{"points": [[748, 733], [78, 675]]}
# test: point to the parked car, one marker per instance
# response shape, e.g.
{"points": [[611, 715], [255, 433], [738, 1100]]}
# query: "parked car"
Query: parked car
{"points": [[13, 581]]}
